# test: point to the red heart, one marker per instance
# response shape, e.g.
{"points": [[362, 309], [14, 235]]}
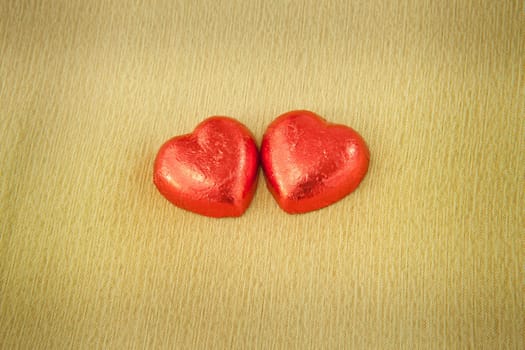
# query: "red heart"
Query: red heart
{"points": [[212, 171], [310, 163]]}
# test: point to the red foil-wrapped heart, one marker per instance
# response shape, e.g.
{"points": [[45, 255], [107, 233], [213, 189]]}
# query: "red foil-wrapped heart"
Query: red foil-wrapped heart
{"points": [[212, 171], [310, 163]]}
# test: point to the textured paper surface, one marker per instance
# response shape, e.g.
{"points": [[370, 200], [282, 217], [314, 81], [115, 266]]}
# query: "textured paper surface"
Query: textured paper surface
{"points": [[427, 253]]}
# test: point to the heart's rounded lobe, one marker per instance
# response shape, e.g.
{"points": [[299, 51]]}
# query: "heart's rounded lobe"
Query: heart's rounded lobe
{"points": [[212, 171], [310, 163]]}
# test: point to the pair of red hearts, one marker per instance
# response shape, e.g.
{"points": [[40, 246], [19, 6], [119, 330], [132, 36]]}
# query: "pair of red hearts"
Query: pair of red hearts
{"points": [[308, 162]]}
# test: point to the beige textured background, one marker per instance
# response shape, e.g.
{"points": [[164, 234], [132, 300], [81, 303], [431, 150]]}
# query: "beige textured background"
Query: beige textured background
{"points": [[427, 253]]}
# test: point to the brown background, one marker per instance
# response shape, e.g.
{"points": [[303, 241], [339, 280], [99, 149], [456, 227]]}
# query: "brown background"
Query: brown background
{"points": [[427, 253]]}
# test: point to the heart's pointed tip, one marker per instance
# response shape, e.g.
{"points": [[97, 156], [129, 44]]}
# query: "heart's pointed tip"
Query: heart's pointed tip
{"points": [[211, 209], [221, 216]]}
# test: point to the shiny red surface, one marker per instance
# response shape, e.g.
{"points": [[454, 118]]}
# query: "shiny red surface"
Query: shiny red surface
{"points": [[310, 163], [212, 171]]}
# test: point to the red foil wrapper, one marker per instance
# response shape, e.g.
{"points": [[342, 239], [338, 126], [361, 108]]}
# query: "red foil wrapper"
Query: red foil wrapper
{"points": [[310, 163], [212, 171]]}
